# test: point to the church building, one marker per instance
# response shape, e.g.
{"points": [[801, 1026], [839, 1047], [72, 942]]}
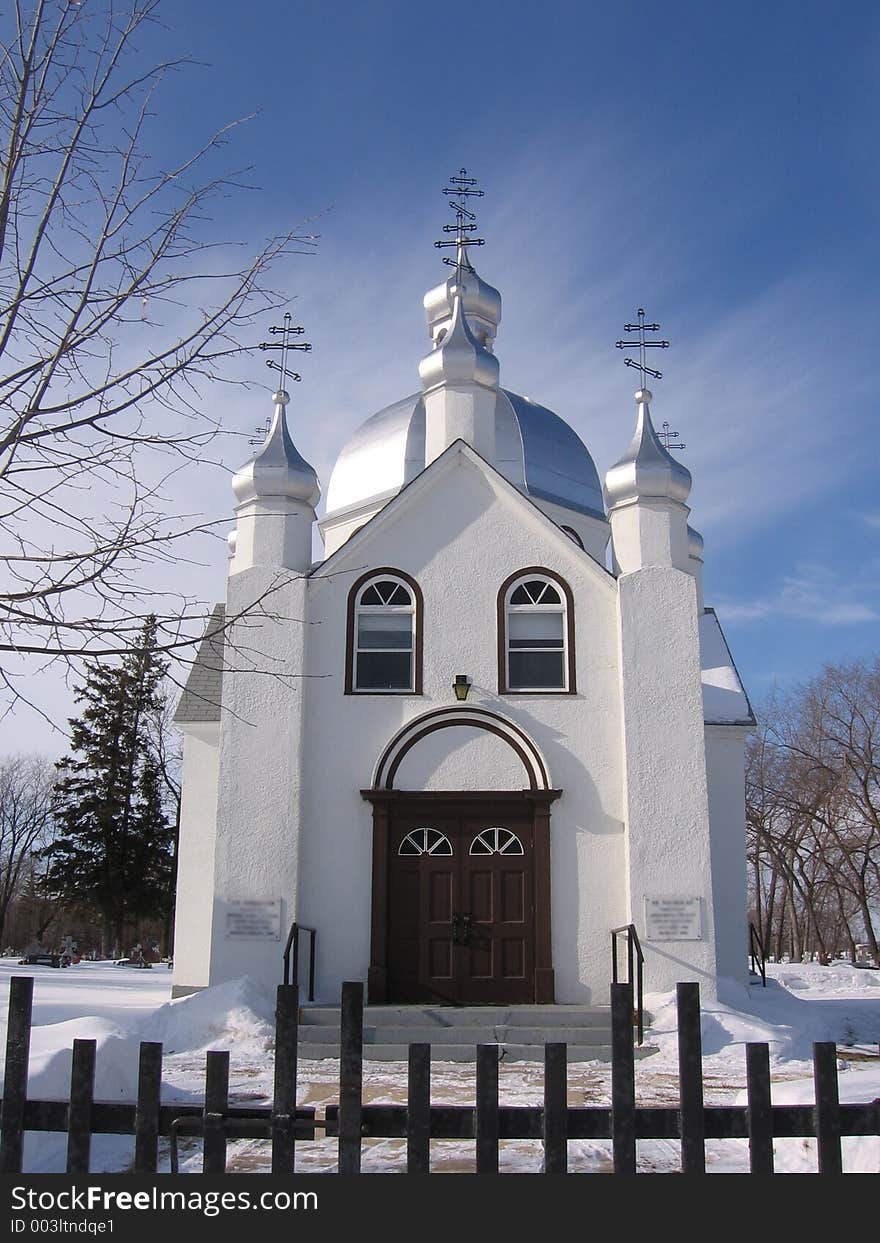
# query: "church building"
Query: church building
{"points": [[494, 723]]}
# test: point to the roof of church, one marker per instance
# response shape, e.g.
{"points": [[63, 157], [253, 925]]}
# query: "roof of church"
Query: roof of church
{"points": [[725, 701], [200, 701], [536, 451]]}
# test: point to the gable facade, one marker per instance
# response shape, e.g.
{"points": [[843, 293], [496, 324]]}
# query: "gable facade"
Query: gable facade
{"points": [[463, 833]]}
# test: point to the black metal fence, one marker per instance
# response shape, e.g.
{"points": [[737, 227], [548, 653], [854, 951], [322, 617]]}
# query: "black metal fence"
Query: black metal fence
{"points": [[487, 1122]]}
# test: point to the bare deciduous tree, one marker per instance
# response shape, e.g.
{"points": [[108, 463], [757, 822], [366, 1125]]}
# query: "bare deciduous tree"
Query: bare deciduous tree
{"points": [[813, 796], [117, 303], [26, 783]]}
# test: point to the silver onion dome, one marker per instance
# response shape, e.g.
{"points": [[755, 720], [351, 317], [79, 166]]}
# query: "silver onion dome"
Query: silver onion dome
{"points": [[481, 303], [277, 469], [695, 544], [536, 450], [457, 356], [646, 471]]}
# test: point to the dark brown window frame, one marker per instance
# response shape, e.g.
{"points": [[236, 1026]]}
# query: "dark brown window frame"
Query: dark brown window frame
{"points": [[536, 571], [350, 637]]}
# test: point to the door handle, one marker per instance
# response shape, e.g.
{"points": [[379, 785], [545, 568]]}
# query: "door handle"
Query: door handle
{"points": [[465, 929], [461, 928]]}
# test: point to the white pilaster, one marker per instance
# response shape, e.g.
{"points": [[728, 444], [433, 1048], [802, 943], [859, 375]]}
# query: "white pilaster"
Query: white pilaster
{"points": [[256, 854], [665, 787]]}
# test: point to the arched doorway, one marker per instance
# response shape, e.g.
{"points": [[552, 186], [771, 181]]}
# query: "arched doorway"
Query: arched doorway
{"points": [[461, 877]]}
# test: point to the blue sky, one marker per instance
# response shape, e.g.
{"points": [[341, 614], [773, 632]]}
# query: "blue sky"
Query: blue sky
{"points": [[713, 163]]}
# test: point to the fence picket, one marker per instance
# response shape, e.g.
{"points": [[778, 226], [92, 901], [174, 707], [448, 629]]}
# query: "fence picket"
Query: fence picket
{"points": [[216, 1105], [79, 1112], [18, 1044], [284, 1095], [555, 1119], [486, 1124], [623, 1080], [827, 1107], [418, 1110], [690, 1076], [146, 1121], [760, 1114], [351, 1068]]}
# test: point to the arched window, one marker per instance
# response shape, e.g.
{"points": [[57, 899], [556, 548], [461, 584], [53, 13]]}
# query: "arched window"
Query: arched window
{"points": [[573, 535], [496, 842], [425, 842], [536, 634], [384, 648]]}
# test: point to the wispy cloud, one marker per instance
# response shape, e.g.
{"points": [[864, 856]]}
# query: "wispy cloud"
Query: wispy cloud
{"points": [[771, 416], [813, 594]]}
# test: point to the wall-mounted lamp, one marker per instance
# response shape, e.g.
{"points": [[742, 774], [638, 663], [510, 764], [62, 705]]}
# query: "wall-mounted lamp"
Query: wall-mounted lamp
{"points": [[461, 686]]}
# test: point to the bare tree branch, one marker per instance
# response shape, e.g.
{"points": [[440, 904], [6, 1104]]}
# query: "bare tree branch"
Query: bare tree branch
{"points": [[119, 303]]}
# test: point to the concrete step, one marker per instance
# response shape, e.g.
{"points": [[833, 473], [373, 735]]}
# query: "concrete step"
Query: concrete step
{"points": [[500, 1034], [520, 1032], [467, 1053], [465, 1016]]}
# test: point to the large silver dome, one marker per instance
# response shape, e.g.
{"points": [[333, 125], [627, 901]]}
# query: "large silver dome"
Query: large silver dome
{"points": [[536, 450]]}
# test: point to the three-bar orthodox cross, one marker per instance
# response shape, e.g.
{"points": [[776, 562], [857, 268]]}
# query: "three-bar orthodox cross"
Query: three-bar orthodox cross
{"points": [[641, 344], [459, 191], [669, 440], [284, 345]]}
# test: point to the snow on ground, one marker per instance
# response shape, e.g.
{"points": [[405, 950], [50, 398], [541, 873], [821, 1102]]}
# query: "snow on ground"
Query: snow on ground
{"points": [[119, 1006]]}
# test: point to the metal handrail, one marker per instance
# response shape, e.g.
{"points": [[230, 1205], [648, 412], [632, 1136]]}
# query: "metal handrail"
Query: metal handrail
{"points": [[757, 955], [634, 957], [291, 949]]}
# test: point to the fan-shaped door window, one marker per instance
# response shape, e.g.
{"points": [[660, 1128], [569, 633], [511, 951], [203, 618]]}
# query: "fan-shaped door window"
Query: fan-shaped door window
{"points": [[496, 841], [383, 629], [425, 842], [536, 616]]}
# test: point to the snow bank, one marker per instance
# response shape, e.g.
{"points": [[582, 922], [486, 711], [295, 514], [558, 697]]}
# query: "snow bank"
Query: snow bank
{"points": [[801, 1004], [856, 1085], [116, 1060], [238, 1015]]}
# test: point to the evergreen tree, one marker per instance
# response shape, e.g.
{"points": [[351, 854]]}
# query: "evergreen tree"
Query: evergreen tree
{"points": [[114, 849]]}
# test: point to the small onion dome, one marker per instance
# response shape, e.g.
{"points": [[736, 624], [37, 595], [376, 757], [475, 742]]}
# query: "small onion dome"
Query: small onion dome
{"points": [[646, 470], [458, 358], [480, 300], [695, 544], [232, 540], [277, 469]]}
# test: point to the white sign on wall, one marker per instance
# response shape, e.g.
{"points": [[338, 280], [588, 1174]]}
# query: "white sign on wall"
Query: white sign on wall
{"points": [[672, 919], [254, 919]]}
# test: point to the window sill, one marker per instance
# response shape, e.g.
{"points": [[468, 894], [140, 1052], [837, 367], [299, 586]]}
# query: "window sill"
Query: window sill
{"points": [[354, 691], [517, 691]]}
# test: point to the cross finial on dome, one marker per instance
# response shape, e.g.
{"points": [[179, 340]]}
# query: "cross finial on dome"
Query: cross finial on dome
{"points": [[284, 345], [460, 190], [670, 440], [641, 345]]}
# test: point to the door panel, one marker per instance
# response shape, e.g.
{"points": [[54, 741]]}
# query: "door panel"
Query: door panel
{"points": [[460, 926], [501, 967]]}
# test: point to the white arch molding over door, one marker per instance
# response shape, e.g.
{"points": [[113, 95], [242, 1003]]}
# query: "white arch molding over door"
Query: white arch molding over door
{"points": [[535, 770], [503, 819]]}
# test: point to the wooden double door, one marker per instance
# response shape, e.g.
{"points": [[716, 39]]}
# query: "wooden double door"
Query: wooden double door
{"points": [[461, 903]]}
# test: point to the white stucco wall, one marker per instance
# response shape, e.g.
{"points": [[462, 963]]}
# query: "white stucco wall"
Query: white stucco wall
{"points": [[668, 847], [295, 750], [195, 859], [461, 758], [725, 760], [460, 540], [259, 816]]}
